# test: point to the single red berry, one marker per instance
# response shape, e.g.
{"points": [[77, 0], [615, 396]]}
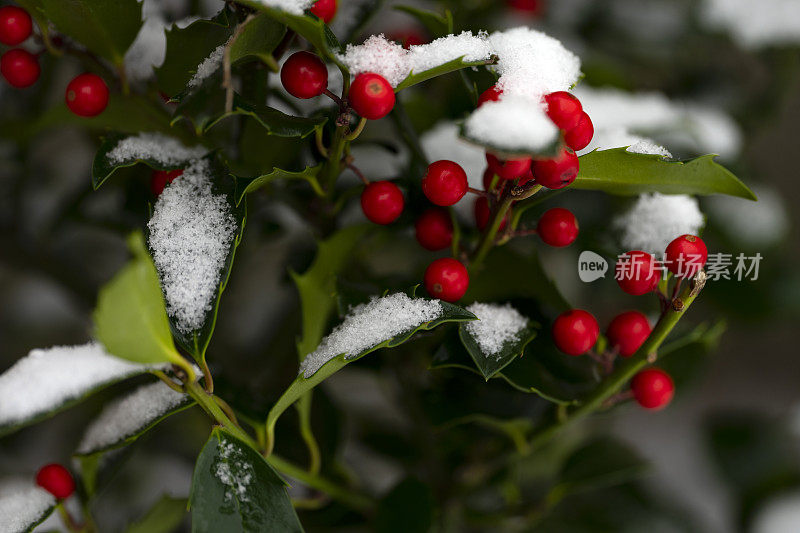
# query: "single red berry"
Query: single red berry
{"points": [[20, 68], [87, 95], [528, 7], [434, 229], [563, 109], [382, 202], [446, 279], [371, 96], [509, 169], [482, 214], [686, 256], [56, 480], [558, 172], [558, 227], [160, 178], [637, 272], [652, 388], [15, 25], [445, 182], [492, 94], [575, 331], [627, 332], [325, 9], [581, 134], [304, 75]]}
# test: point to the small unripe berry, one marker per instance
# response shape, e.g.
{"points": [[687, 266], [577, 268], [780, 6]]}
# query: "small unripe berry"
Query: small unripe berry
{"points": [[446, 279], [558, 172], [20, 68], [445, 182], [558, 227], [434, 229], [509, 169], [638, 273], [371, 96], [56, 480], [483, 213], [304, 75], [627, 332], [492, 94], [686, 255], [581, 135], [382, 202], [15, 25], [87, 95], [160, 178], [652, 388], [575, 331], [325, 9], [563, 109]]}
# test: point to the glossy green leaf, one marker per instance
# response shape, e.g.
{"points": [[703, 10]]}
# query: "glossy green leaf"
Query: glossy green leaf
{"points": [[104, 27], [407, 508], [235, 489], [618, 171], [437, 24], [257, 40], [164, 517], [602, 463], [103, 168], [451, 66], [245, 186], [188, 47], [130, 318], [489, 365]]}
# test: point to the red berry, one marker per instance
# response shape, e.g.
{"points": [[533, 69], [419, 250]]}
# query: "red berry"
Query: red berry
{"points": [[160, 178], [56, 480], [15, 25], [563, 109], [482, 214], [558, 172], [382, 202], [446, 279], [509, 169], [434, 229], [558, 227], [445, 182], [530, 7], [325, 9], [575, 331], [408, 38], [371, 96], [627, 332], [652, 388], [581, 134], [686, 256], [20, 68], [304, 75], [492, 94], [637, 273], [87, 95]]}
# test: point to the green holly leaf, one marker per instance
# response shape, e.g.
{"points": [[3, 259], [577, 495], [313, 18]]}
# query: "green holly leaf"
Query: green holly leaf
{"points": [[489, 365], [599, 464], [245, 186], [235, 489], [437, 24], [618, 171], [451, 66], [257, 40], [130, 318], [164, 517]]}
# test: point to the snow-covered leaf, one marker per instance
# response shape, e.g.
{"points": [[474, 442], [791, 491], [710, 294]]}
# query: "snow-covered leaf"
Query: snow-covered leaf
{"points": [[164, 517], [23, 505], [48, 381], [618, 171], [497, 338], [104, 27], [127, 418], [130, 320], [235, 489], [245, 186]]}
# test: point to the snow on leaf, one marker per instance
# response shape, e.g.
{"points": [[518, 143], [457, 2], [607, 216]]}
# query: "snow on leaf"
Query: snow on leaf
{"points": [[23, 505]]}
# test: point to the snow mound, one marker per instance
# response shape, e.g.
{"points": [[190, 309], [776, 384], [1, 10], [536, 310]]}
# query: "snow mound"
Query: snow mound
{"points": [[166, 150], [21, 504], [496, 326], [656, 219]]}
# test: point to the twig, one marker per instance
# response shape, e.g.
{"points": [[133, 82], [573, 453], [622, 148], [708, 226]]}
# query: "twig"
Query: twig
{"points": [[357, 172]]}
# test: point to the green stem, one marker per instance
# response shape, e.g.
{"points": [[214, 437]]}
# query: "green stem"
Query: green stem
{"points": [[521, 207], [303, 406], [356, 132], [631, 366], [489, 236], [333, 166], [210, 406]]}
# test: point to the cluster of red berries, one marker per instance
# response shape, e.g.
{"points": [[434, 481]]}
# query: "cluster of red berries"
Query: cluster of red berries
{"points": [[86, 95], [638, 272], [56, 480]]}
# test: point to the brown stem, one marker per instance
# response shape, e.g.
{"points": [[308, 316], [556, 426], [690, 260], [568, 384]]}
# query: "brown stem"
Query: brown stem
{"points": [[357, 172]]}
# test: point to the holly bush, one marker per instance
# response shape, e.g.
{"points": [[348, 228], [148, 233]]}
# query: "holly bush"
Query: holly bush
{"points": [[383, 359]]}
